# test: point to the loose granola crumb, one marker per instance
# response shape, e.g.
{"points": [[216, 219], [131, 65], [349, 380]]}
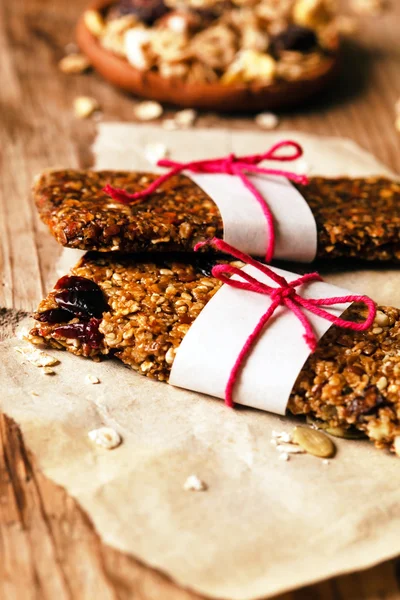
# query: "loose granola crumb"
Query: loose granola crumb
{"points": [[92, 379], [267, 120], [85, 106], [37, 357], [106, 437], [290, 449], [148, 110], [194, 484], [284, 456], [282, 436], [74, 64], [169, 125]]}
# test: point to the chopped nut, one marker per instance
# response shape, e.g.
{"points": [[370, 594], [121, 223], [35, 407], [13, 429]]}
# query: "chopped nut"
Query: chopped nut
{"points": [[311, 13], [381, 319], [194, 484], [92, 379], [148, 110], [136, 43], [155, 152], [382, 383], [74, 64], [85, 106], [267, 120], [290, 449], [250, 65], [106, 437], [396, 445], [94, 22]]}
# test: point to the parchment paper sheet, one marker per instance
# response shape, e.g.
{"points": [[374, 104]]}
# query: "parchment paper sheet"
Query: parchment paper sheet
{"points": [[264, 526]]}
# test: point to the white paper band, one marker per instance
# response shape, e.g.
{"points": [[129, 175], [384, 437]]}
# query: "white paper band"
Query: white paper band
{"points": [[210, 348], [244, 221]]}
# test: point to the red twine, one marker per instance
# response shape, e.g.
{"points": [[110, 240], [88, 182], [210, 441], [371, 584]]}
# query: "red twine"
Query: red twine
{"points": [[230, 165], [283, 295]]}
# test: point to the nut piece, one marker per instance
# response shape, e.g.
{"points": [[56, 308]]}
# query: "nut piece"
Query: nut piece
{"points": [[267, 120], [94, 22], [148, 110], [136, 44], [311, 13], [396, 445], [106, 437], [85, 106], [314, 442], [194, 484], [74, 64], [250, 65]]}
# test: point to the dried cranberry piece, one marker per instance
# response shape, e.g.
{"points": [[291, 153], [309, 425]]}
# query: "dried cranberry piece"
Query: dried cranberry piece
{"points": [[295, 38], [88, 333], [74, 282], [54, 315], [147, 11], [82, 303]]}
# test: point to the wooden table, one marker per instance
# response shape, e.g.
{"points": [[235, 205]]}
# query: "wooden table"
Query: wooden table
{"points": [[48, 546]]}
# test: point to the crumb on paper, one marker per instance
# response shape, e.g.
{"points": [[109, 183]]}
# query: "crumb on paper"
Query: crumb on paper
{"points": [[282, 436], [284, 456], [290, 449], [92, 379], [267, 120], [185, 118], [74, 64], [37, 357], [85, 106], [194, 484], [326, 461], [33, 393], [155, 152], [48, 371], [148, 110], [105, 437]]}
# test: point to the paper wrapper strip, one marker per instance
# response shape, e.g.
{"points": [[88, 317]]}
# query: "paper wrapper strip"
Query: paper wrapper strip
{"points": [[352, 380], [355, 218]]}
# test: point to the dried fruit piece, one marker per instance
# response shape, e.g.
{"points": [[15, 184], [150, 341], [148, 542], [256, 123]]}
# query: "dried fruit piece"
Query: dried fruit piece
{"points": [[88, 333], [295, 38], [147, 11], [73, 282], [106, 437], [314, 442]]}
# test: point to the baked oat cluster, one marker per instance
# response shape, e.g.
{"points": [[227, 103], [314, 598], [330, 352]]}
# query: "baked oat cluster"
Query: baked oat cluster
{"points": [[139, 309], [226, 41]]}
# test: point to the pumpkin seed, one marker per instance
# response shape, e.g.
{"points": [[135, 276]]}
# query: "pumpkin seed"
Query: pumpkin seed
{"points": [[347, 434], [314, 442]]}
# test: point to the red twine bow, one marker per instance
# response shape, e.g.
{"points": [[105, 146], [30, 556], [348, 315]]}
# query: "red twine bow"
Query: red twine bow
{"points": [[230, 165], [283, 295]]}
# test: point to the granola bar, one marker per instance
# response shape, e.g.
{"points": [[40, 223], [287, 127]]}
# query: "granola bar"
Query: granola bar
{"points": [[357, 218], [139, 310], [226, 41]]}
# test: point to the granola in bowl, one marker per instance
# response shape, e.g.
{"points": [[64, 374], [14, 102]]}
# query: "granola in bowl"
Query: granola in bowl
{"points": [[258, 42]]}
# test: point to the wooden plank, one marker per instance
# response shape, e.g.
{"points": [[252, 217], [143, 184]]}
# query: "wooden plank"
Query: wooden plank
{"points": [[47, 544]]}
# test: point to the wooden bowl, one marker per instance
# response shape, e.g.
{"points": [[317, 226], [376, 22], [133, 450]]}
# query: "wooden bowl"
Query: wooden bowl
{"points": [[209, 96]]}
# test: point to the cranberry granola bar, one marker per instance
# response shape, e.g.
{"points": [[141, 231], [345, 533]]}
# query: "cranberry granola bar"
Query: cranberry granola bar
{"points": [[139, 309], [356, 218]]}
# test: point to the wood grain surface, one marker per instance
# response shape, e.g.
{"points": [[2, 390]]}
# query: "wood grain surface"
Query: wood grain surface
{"points": [[48, 547]]}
